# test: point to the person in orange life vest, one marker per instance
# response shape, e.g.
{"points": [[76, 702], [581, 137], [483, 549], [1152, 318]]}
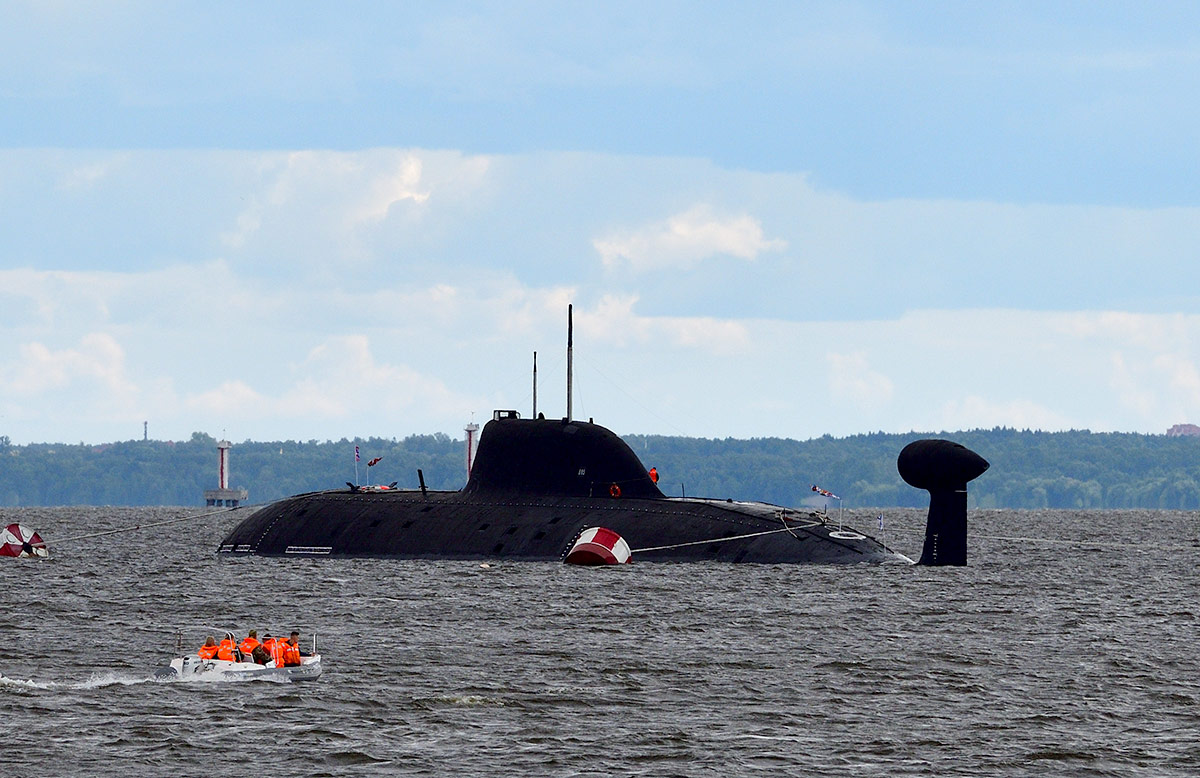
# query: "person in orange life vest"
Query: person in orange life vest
{"points": [[263, 652], [228, 649], [250, 642], [295, 639], [654, 474], [291, 650], [279, 652], [209, 649], [260, 655]]}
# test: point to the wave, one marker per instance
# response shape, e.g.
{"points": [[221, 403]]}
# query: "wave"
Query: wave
{"points": [[101, 680]]}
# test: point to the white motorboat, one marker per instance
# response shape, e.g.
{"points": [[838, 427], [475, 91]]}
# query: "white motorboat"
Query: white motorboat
{"points": [[191, 667]]}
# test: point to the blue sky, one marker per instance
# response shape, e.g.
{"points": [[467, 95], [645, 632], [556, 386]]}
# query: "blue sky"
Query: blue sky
{"points": [[319, 220]]}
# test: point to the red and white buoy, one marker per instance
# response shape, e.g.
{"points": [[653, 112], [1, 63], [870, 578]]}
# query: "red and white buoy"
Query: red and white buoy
{"points": [[599, 546], [19, 541]]}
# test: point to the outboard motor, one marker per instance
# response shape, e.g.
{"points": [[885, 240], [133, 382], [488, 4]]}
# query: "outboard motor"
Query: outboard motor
{"points": [[943, 468]]}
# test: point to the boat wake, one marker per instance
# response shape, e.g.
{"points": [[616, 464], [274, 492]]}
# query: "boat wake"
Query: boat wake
{"points": [[107, 679], [94, 681], [17, 684]]}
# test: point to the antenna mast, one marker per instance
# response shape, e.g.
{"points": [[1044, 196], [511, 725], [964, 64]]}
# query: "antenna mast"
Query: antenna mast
{"points": [[570, 337], [534, 385]]}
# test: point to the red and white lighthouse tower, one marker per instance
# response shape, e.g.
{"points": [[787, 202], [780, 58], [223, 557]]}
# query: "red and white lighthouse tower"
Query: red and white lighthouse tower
{"points": [[223, 465], [223, 495], [470, 429]]}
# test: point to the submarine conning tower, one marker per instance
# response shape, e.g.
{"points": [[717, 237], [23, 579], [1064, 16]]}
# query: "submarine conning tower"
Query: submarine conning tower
{"points": [[942, 467], [561, 457]]}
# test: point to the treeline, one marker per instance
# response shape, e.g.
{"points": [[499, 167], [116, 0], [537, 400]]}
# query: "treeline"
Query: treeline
{"points": [[157, 472], [1076, 469], [1029, 469]]}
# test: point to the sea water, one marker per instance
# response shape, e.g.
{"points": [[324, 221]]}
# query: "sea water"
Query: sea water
{"points": [[1067, 646]]}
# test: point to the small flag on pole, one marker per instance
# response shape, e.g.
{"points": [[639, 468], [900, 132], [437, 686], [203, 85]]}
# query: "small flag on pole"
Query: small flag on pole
{"points": [[825, 492], [356, 453], [374, 462]]}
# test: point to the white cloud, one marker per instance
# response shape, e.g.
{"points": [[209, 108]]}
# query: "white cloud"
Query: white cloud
{"points": [[1153, 361], [341, 376], [1181, 375], [716, 336], [65, 304], [1134, 330], [685, 240], [388, 189], [976, 412], [1162, 384], [52, 300], [66, 389], [394, 290], [1130, 387], [339, 383], [98, 359], [308, 209], [851, 377], [614, 322], [87, 176], [232, 399]]}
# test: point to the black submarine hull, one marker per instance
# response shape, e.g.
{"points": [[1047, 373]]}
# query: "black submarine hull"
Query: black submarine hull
{"points": [[535, 486], [432, 525]]}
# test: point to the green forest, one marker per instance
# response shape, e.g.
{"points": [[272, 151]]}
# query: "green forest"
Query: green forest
{"points": [[1029, 469]]}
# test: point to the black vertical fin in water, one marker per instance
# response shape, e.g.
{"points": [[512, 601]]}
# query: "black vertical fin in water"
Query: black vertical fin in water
{"points": [[946, 528], [943, 468]]}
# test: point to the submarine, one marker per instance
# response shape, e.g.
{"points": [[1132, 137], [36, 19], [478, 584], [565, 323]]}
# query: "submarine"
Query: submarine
{"points": [[535, 487], [538, 485]]}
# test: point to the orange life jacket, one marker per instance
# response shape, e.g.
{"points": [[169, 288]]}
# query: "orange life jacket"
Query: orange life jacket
{"points": [[225, 650], [291, 655], [248, 645], [207, 652], [279, 653]]}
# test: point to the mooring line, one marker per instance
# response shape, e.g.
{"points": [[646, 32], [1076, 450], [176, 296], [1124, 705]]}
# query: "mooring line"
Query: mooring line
{"points": [[1065, 542], [1100, 543], [153, 524], [725, 540]]}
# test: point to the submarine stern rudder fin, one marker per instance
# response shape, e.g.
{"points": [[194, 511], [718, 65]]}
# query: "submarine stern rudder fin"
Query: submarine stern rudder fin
{"points": [[943, 468]]}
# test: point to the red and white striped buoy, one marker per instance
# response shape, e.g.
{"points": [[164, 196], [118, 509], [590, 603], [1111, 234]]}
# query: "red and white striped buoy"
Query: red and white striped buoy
{"points": [[599, 546], [16, 540]]}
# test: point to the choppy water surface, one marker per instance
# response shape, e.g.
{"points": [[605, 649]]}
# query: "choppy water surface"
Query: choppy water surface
{"points": [[1039, 658]]}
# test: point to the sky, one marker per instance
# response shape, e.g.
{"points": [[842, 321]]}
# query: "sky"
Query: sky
{"points": [[315, 221]]}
